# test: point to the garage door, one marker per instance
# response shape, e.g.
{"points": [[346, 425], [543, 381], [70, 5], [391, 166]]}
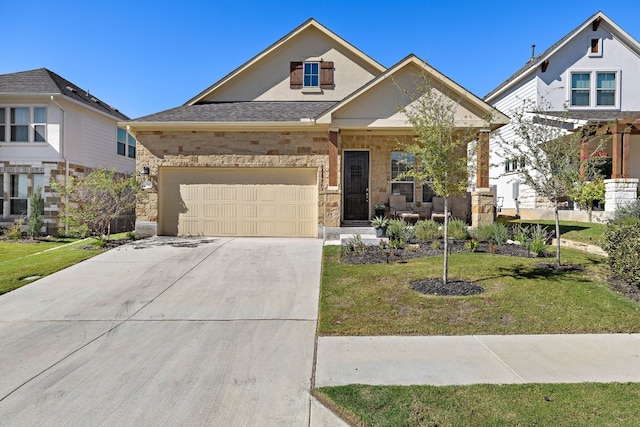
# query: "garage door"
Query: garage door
{"points": [[238, 202]]}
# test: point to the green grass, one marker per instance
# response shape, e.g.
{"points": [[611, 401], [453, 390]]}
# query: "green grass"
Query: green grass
{"points": [[585, 232], [518, 299], [22, 260], [585, 404]]}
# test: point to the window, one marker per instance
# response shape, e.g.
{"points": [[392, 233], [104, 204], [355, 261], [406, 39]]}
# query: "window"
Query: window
{"points": [[25, 124], [311, 74], [427, 193], [399, 164], [2, 125], [20, 124], [514, 164], [580, 89], [606, 89], [39, 124], [594, 89], [18, 194], [126, 144]]}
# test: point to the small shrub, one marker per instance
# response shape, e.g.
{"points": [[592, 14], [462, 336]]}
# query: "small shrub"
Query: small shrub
{"points": [[428, 230], [630, 210], [458, 229], [622, 243], [15, 231], [401, 231], [540, 236], [35, 222], [496, 232], [521, 233], [354, 244], [472, 245], [436, 244]]}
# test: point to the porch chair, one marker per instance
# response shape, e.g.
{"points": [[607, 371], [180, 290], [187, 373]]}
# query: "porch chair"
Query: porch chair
{"points": [[398, 207]]}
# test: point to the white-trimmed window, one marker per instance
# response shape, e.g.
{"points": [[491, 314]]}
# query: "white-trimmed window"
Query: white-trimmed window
{"points": [[514, 164], [23, 124], [311, 74], [18, 194], [126, 144], [595, 89], [404, 185]]}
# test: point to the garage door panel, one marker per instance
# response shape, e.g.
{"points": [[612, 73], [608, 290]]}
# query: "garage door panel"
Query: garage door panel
{"points": [[195, 204]]}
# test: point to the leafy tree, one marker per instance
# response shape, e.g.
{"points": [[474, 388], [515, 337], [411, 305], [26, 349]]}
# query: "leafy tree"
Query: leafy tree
{"points": [[439, 147], [550, 153], [35, 222], [93, 202], [585, 194]]}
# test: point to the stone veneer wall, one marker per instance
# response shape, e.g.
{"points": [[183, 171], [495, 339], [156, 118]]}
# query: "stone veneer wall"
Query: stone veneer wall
{"points": [[236, 149], [52, 171], [380, 147], [619, 192]]}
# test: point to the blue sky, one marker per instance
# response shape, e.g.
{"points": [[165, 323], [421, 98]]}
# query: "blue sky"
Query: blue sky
{"points": [[147, 56]]}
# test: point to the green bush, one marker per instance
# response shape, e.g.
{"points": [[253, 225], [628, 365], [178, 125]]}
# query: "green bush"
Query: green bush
{"points": [[400, 231], [622, 243], [36, 206], [521, 233], [428, 230], [496, 232], [540, 236], [458, 229], [631, 210]]}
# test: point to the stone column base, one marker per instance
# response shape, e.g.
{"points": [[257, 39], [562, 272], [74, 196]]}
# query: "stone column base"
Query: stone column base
{"points": [[619, 191], [146, 229], [482, 208]]}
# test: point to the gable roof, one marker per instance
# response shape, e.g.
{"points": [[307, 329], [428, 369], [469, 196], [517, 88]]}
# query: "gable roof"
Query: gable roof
{"points": [[499, 118], [45, 82], [310, 23], [531, 65]]}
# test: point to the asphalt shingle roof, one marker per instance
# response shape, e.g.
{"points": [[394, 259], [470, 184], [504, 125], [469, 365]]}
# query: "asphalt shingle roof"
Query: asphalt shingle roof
{"points": [[242, 111], [44, 81], [594, 115]]}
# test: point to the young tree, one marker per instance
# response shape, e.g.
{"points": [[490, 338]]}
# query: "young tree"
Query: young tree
{"points": [[93, 202], [439, 147], [36, 210], [549, 153]]}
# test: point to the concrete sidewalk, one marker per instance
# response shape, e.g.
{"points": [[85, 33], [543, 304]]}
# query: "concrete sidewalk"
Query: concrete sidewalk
{"points": [[458, 360]]}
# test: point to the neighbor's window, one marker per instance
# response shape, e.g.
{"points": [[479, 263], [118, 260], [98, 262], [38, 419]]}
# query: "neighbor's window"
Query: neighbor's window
{"points": [[20, 124], [2, 125], [399, 164], [39, 124], [126, 144], [606, 89], [311, 74], [580, 89], [18, 194], [1, 194]]}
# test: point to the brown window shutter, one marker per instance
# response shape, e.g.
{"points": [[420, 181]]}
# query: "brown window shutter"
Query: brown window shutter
{"points": [[326, 75], [295, 75]]}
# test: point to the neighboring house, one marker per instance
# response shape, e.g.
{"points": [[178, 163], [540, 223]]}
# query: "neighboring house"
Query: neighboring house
{"points": [[588, 77], [51, 129], [302, 136]]}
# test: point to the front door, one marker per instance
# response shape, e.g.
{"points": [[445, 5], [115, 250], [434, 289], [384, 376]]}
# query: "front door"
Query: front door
{"points": [[356, 185]]}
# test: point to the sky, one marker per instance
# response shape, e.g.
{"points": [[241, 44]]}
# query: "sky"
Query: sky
{"points": [[143, 57]]}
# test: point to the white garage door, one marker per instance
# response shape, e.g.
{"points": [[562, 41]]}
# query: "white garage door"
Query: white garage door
{"points": [[238, 202]]}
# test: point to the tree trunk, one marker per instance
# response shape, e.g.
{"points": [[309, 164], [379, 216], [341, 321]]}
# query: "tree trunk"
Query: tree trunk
{"points": [[557, 217], [445, 269]]}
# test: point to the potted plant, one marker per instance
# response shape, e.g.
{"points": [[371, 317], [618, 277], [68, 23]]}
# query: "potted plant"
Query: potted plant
{"points": [[380, 223], [380, 209]]}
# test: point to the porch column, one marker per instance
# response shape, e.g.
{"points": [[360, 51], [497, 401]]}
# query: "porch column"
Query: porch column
{"points": [[620, 155], [333, 158], [482, 172]]}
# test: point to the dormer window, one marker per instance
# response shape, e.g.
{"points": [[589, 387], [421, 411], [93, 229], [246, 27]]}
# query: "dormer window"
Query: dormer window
{"points": [[311, 74]]}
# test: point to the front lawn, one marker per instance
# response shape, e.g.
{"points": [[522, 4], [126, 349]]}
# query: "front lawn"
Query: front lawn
{"points": [[519, 298], [585, 404], [32, 260]]}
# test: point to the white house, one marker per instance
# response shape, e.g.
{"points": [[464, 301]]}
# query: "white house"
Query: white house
{"points": [[590, 77], [51, 129]]}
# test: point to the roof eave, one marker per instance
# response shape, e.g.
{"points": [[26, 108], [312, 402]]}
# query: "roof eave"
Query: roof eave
{"points": [[193, 125]]}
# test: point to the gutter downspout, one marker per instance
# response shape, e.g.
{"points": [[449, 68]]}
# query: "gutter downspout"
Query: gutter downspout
{"points": [[62, 146]]}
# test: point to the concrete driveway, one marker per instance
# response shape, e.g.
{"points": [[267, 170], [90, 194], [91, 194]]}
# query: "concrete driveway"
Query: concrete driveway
{"points": [[199, 331]]}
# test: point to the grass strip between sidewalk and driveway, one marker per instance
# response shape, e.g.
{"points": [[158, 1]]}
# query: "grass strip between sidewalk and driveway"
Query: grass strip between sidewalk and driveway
{"points": [[576, 405], [22, 263]]}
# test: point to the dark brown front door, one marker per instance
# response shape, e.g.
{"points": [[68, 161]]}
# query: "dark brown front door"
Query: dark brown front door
{"points": [[356, 185]]}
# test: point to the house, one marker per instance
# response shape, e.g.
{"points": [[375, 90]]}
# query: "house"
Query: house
{"points": [[590, 78], [50, 129], [302, 136]]}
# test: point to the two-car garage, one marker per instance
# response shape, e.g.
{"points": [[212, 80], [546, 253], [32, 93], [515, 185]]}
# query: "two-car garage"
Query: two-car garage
{"points": [[238, 201]]}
